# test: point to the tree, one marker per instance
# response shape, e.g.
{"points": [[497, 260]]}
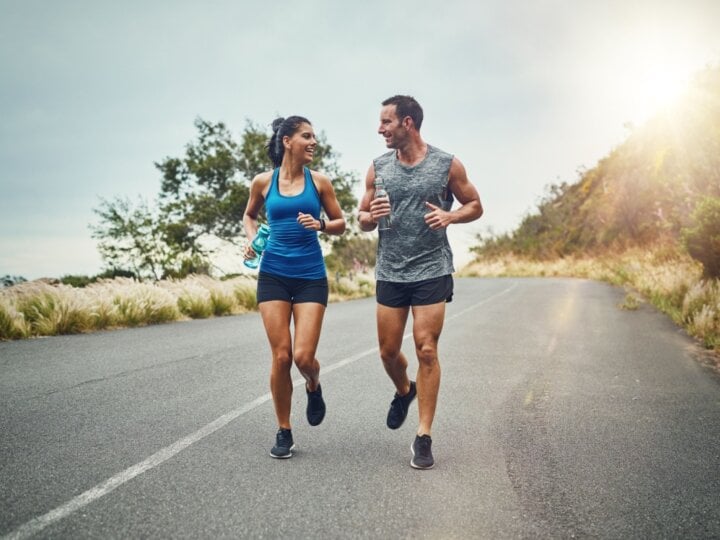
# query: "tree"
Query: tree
{"points": [[202, 198], [132, 237], [8, 280], [352, 253]]}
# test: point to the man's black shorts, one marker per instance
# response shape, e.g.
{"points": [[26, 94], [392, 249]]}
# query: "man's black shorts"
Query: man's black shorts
{"points": [[415, 293], [293, 290]]}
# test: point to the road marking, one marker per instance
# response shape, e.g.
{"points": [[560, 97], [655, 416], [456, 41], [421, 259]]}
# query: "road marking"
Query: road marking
{"points": [[39, 523]]}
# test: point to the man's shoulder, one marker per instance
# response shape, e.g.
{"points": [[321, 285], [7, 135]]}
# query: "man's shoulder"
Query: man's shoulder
{"points": [[390, 154], [439, 152]]}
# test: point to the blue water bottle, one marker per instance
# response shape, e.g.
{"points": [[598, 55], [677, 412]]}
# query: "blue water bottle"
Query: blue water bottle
{"points": [[258, 245]]}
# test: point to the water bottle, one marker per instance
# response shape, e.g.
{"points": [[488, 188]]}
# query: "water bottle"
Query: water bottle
{"points": [[384, 222], [258, 245]]}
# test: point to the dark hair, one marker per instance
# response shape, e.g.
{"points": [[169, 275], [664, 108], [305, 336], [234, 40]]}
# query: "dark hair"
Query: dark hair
{"points": [[406, 106], [283, 127]]}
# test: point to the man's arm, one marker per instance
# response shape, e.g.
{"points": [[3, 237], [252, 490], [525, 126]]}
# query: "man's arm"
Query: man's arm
{"points": [[466, 194], [371, 209]]}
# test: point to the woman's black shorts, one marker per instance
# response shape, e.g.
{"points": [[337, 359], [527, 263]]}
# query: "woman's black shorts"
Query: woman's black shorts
{"points": [[293, 290]]}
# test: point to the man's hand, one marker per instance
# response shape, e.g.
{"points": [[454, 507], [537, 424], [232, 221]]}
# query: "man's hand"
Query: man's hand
{"points": [[379, 207], [437, 218]]}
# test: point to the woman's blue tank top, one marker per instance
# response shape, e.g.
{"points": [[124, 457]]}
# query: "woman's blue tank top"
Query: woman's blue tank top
{"points": [[292, 250]]}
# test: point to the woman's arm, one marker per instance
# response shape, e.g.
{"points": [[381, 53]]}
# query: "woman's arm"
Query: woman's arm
{"points": [[258, 190], [335, 224]]}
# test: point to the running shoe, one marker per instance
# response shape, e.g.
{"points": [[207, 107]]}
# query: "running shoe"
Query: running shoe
{"points": [[399, 407], [422, 452], [315, 406], [283, 444]]}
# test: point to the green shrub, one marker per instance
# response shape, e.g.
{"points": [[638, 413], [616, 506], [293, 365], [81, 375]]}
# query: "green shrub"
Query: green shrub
{"points": [[703, 240], [221, 302], [141, 304], [194, 305], [77, 281], [12, 323], [245, 296]]}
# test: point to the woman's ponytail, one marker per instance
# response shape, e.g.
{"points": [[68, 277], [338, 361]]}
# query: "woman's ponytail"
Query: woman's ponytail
{"points": [[282, 127]]}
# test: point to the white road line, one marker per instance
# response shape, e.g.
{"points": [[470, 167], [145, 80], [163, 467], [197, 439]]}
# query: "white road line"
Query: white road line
{"points": [[39, 523]]}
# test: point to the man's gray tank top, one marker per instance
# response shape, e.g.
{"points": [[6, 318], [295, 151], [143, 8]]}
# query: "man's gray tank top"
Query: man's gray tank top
{"points": [[410, 250]]}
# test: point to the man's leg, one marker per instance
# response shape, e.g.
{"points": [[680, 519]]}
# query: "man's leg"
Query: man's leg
{"points": [[390, 327], [427, 326]]}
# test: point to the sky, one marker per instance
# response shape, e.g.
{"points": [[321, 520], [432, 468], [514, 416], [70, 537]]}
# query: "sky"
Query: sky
{"points": [[524, 94]]}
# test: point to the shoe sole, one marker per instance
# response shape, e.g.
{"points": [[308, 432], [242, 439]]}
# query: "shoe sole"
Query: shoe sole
{"points": [[288, 456], [418, 467]]}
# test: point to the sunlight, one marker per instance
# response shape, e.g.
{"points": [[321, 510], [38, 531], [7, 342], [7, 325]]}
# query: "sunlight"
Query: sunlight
{"points": [[657, 88], [656, 74]]}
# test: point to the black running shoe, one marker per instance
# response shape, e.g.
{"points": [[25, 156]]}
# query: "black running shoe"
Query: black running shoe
{"points": [[315, 406], [399, 407], [422, 452], [283, 444]]}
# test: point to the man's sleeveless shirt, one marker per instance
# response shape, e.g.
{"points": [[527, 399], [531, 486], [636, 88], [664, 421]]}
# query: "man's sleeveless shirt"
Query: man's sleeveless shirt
{"points": [[410, 250], [292, 250]]}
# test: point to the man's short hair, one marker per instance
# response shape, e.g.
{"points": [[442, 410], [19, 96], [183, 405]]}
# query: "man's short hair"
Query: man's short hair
{"points": [[406, 106]]}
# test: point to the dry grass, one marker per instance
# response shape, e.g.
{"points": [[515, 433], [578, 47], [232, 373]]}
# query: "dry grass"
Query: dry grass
{"points": [[346, 288], [38, 308], [665, 277]]}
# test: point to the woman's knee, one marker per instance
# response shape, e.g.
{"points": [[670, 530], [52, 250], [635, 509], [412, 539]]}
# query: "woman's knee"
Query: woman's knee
{"points": [[305, 360], [282, 358]]}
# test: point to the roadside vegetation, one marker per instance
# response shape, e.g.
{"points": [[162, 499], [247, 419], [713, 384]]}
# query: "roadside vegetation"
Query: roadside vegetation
{"points": [[39, 308], [647, 217]]}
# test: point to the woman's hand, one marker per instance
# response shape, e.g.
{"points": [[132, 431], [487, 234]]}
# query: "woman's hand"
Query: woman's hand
{"points": [[249, 252], [309, 222]]}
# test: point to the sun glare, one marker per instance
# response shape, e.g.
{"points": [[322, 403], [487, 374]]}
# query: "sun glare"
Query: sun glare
{"points": [[656, 88], [656, 75]]}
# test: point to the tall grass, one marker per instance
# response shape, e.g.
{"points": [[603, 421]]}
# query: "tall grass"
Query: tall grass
{"points": [[37, 308], [664, 276]]}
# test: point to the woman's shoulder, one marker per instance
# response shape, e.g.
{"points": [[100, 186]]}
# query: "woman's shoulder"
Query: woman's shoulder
{"points": [[321, 180], [263, 178]]}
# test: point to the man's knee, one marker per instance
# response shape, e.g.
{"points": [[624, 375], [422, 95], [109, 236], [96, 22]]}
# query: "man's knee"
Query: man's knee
{"points": [[389, 354], [426, 353]]}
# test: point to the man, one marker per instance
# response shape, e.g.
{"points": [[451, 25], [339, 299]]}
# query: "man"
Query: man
{"points": [[414, 261]]}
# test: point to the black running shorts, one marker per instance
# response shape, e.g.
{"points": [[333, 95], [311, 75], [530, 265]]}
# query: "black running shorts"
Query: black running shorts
{"points": [[416, 293], [293, 290]]}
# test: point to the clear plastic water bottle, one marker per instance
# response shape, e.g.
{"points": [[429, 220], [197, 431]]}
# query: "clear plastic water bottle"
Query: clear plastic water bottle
{"points": [[385, 221], [258, 245]]}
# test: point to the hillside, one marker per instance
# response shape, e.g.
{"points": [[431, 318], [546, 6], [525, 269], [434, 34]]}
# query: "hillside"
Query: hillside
{"points": [[643, 192]]}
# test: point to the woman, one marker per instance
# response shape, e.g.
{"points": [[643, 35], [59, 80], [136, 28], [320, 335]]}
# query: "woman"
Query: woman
{"points": [[292, 283]]}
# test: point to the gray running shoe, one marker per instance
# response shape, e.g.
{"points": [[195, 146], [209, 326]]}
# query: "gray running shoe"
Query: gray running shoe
{"points": [[283, 444], [315, 407], [399, 407], [422, 452]]}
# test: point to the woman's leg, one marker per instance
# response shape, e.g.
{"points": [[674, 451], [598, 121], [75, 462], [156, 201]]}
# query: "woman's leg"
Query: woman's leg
{"points": [[276, 318], [308, 318]]}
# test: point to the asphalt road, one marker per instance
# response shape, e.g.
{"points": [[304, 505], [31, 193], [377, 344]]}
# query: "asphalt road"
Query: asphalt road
{"points": [[560, 415]]}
